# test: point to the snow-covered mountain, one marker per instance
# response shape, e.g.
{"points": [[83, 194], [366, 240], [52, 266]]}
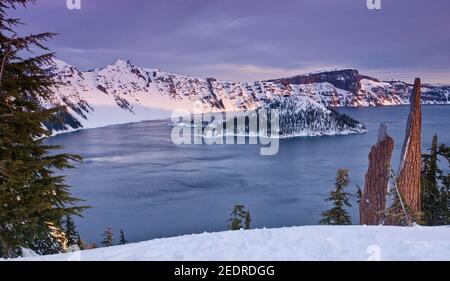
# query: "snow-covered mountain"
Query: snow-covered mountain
{"points": [[347, 87], [122, 92]]}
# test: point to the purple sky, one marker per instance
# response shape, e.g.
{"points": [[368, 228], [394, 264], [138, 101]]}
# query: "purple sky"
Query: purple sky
{"points": [[252, 39]]}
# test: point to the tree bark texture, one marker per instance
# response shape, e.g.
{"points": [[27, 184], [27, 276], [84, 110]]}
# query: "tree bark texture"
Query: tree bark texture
{"points": [[373, 200], [408, 176]]}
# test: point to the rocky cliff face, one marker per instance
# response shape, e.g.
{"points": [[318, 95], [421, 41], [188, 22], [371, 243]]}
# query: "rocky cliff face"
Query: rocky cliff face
{"points": [[122, 92], [347, 87]]}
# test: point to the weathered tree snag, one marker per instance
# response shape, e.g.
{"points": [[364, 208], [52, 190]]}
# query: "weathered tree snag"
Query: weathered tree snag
{"points": [[373, 199], [408, 176]]}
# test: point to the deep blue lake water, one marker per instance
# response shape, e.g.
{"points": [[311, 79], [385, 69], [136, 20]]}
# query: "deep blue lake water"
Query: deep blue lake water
{"points": [[136, 179]]}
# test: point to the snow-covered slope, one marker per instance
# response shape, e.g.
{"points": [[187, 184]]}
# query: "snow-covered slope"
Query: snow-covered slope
{"points": [[296, 243], [121, 93]]}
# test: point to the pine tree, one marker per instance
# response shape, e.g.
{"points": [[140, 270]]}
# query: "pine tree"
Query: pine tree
{"points": [[49, 241], [33, 200], [123, 240], [444, 151], [338, 215], [108, 237], [358, 194], [430, 191], [248, 220], [81, 244], [73, 237], [238, 216], [435, 209]]}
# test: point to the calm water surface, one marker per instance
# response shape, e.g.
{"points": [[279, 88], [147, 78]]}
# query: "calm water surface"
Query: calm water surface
{"points": [[136, 179]]}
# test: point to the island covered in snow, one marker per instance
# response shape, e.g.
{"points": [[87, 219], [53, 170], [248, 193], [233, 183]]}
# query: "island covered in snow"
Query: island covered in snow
{"points": [[297, 116], [303, 116]]}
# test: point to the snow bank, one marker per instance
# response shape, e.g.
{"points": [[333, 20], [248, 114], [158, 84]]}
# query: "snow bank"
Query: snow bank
{"points": [[309, 243]]}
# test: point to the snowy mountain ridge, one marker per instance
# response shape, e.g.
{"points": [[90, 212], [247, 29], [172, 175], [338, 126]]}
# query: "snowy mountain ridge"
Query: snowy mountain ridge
{"points": [[121, 93]]}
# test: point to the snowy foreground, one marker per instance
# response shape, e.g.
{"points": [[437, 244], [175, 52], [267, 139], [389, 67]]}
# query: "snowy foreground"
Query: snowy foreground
{"points": [[295, 243]]}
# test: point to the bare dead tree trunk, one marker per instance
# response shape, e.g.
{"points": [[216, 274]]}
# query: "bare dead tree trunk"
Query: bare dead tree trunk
{"points": [[373, 199], [408, 176]]}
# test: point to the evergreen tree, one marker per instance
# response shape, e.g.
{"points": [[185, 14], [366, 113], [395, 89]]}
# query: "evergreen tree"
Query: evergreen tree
{"points": [[248, 220], [50, 240], [432, 211], [123, 240], [238, 217], [108, 237], [33, 200], [72, 235], [435, 207], [358, 194], [444, 151], [338, 215]]}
